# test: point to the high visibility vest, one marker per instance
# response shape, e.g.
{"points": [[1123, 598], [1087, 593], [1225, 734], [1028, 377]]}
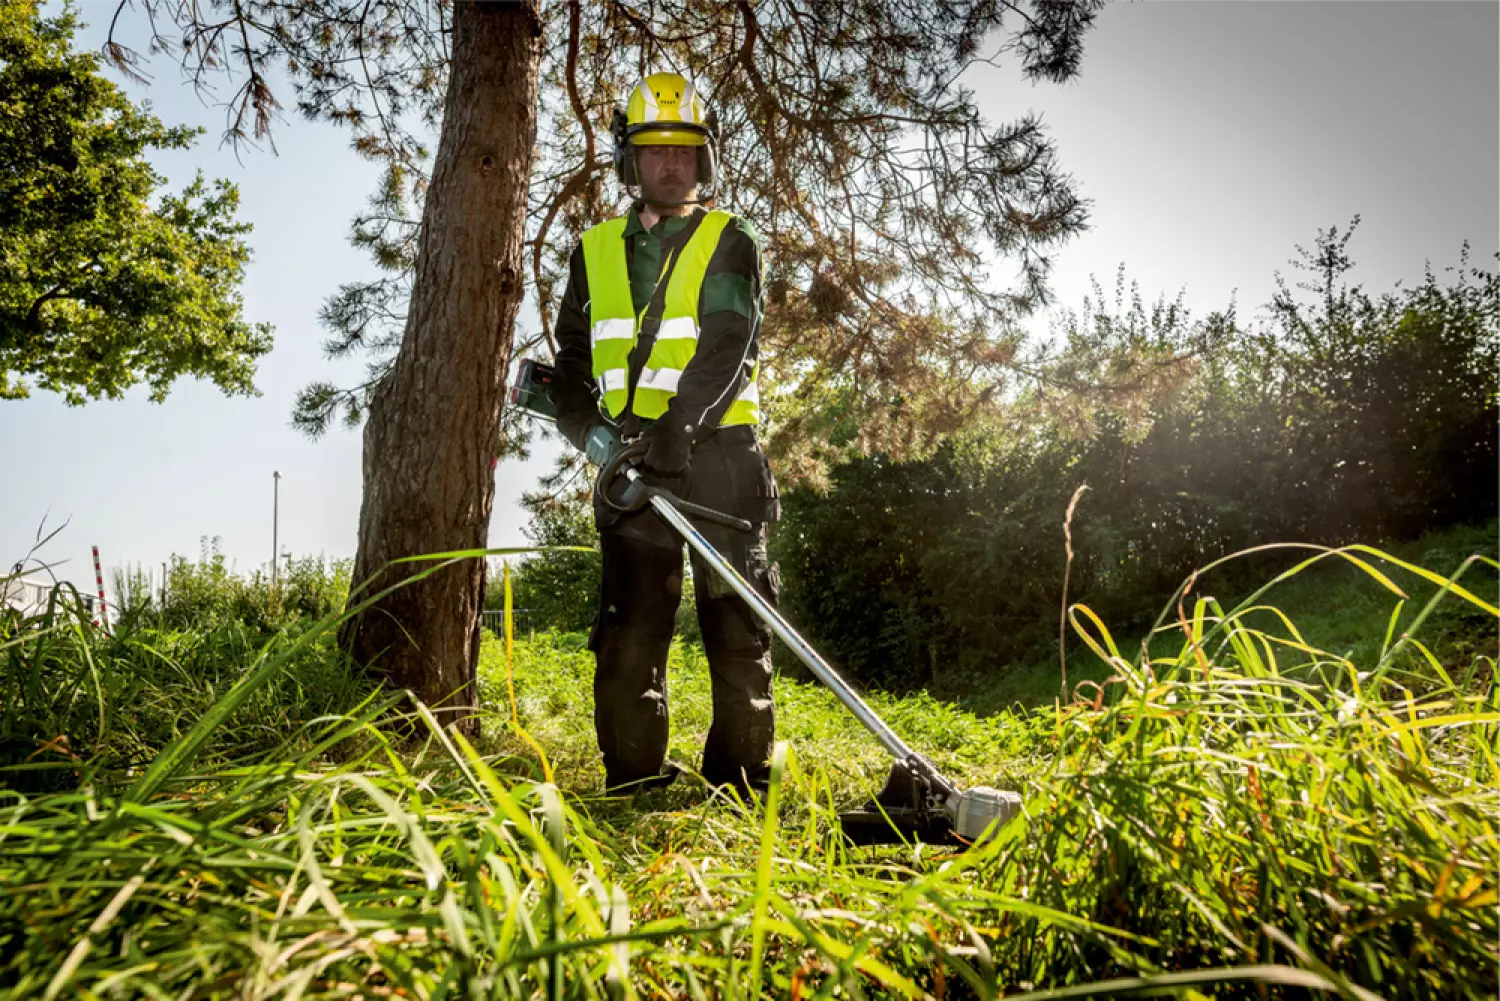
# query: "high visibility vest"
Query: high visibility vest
{"points": [[614, 325]]}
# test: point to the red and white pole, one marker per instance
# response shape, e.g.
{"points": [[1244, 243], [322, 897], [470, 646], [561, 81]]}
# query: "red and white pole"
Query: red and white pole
{"points": [[99, 581]]}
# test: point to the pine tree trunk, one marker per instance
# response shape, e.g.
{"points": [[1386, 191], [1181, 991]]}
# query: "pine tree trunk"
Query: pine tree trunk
{"points": [[431, 431]]}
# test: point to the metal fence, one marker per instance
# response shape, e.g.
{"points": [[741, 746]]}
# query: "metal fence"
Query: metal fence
{"points": [[525, 621]]}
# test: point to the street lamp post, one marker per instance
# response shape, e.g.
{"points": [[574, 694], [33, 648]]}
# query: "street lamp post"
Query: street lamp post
{"points": [[275, 514]]}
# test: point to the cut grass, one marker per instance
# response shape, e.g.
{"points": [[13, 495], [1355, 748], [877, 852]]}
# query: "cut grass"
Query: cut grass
{"points": [[1244, 816]]}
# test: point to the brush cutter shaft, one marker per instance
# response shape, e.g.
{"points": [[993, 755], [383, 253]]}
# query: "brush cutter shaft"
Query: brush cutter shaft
{"points": [[788, 635]]}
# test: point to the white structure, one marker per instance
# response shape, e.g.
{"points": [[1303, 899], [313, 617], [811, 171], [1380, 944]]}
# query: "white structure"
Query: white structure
{"points": [[29, 595]]}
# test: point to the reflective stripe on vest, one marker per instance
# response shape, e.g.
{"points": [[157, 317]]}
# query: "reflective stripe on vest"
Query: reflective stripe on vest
{"points": [[615, 326]]}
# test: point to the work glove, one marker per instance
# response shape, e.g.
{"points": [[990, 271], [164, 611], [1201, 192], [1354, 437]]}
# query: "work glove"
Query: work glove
{"points": [[669, 446], [601, 444]]}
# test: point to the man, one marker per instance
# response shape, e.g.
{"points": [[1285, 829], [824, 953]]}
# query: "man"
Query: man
{"points": [[657, 337]]}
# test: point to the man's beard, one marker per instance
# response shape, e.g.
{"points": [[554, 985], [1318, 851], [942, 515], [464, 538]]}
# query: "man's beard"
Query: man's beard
{"points": [[672, 193]]}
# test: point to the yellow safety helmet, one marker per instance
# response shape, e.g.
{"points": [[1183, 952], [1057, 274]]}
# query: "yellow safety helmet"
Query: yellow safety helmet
{"points": [[665, 110]]}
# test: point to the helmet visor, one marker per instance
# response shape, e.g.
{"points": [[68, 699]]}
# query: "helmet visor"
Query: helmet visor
{"points": [[668, 134]]}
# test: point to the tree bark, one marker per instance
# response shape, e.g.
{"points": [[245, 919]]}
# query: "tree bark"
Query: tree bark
{"points": [[430, 436]]}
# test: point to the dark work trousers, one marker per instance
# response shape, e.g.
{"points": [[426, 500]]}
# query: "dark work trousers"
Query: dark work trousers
{"points": [[640, 590]]}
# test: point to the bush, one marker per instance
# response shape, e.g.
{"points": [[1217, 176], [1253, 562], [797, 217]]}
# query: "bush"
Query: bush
{"points": [[209, 594], [1351, 419], [556, 590]]}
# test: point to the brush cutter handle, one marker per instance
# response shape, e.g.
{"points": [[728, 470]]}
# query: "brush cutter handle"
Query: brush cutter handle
{"points": [[666, 505], [706, 513], [638, 492]]}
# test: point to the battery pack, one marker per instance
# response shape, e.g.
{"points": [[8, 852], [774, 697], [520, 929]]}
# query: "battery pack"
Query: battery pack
{"points": [[532, 388]]}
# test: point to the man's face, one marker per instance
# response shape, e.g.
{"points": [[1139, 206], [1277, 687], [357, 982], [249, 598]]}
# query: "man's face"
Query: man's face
{"points": [[668, 173]]}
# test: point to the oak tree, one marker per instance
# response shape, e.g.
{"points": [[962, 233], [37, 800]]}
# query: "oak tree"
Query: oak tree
{"points": [[99, 288]]}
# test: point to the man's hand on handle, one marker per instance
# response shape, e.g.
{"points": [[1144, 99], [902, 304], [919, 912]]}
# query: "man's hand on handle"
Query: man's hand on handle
{"points": [[669, 447]]}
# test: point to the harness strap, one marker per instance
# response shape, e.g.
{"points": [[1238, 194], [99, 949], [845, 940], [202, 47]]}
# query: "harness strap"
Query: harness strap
{"points": [[651, 325]]}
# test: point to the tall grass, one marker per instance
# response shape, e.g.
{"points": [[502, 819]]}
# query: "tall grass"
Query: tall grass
{"points": [[1246, 815], [77, 700], [1335, 607]]}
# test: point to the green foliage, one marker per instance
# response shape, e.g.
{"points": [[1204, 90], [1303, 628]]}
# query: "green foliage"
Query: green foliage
{"points": [[209, 593], [98, 289], [558, 590], [852, 567], [1336, 611], [1214, 821], [1389, 403], [1351, 418]]}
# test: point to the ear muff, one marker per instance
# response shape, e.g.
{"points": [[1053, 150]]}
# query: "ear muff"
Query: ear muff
{"points": [[624, 155], [708, 153]]}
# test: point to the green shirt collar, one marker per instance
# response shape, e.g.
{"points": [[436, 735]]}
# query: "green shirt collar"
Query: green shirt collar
{"points": [[673, 227]]}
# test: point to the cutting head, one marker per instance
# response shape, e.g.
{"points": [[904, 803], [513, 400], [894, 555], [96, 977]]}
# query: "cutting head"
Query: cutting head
{"points": [[910, 809], [980, 812]]}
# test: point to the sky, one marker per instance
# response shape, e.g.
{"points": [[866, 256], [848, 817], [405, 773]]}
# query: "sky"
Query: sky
{"points": [[1211, 137]]}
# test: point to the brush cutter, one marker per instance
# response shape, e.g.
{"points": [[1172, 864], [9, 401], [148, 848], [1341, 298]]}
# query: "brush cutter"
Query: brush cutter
{"points": [[918, 802]]}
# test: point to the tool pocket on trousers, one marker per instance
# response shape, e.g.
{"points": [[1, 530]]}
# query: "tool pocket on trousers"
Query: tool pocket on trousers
{"points": [[757, 498], [771, 583], [748, 559]]}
